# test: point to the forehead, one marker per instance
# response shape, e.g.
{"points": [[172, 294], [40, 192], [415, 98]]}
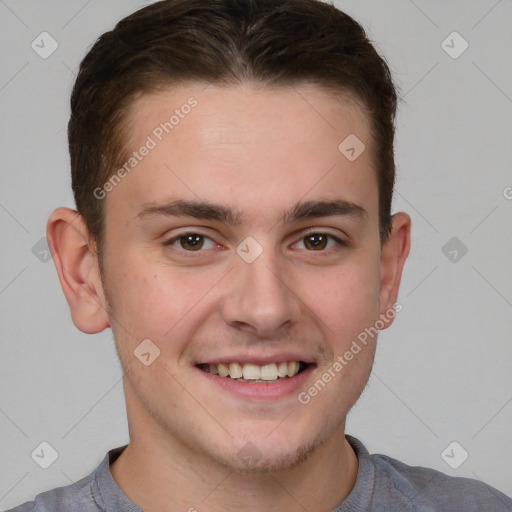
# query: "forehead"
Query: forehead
{"points": [[236, 144], [229, 113]]}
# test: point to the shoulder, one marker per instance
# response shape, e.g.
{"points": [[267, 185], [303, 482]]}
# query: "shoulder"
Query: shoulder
{"points": [[423, 487], [384, 483], [83, 495], [77, 496], [30, 506]]}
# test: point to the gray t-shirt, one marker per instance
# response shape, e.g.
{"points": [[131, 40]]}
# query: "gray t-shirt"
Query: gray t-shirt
{"points": [[383, 484]]}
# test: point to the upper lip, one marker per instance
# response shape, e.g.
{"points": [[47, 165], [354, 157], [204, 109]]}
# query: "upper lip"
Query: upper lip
{"points": [[261, 360]]}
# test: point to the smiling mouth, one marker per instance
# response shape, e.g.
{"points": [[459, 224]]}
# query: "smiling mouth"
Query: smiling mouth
{"points": [[256, 374]]}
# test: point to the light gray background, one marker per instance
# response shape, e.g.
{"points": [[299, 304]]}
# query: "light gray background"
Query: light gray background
{"points": [[443, 372]]}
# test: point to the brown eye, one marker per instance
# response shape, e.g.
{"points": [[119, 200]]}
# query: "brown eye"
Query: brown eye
{"points": [[319, 242], [191, 242], [316, 241]]}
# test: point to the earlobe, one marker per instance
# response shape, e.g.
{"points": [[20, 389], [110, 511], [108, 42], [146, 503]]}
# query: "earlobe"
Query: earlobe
{"points": [[393, 255], [75, 259]]}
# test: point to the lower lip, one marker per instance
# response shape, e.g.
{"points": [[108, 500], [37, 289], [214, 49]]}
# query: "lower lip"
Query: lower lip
{"points": [[274, 390]]}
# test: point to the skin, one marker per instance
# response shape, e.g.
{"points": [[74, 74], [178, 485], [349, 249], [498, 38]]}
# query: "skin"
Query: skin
{"points": [[258, 151]]}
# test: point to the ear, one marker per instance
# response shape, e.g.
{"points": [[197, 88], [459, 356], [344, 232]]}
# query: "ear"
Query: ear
{"points": [[74, 255], [394, 252]]}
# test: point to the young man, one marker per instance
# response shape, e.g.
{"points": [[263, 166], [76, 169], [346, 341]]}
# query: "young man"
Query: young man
{"points": [[233, 169]]}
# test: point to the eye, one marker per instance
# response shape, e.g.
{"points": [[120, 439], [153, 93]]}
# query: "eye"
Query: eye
{"points": [[319, 241], [192, 242]]}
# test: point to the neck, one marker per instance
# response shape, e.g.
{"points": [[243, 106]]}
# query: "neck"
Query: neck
{"points": [[159, 473], [160, 480]]}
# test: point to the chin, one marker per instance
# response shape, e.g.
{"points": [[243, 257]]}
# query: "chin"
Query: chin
{"points": [[255, 458]]}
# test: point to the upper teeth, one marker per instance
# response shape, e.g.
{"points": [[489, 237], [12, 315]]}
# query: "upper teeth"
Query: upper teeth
{"points": [[250, 371]]}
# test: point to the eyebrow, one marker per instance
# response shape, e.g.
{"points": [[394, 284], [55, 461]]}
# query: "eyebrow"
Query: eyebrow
{"points": [[204, 210]]}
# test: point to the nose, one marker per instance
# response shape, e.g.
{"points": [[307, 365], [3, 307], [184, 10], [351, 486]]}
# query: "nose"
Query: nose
{"points": [[260, 299]]}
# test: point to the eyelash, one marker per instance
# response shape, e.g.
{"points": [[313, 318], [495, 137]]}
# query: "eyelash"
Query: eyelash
{"points": [[175, 239]]}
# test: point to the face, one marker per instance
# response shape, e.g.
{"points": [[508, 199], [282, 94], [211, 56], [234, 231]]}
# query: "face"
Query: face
{"points": [[244, 239]]}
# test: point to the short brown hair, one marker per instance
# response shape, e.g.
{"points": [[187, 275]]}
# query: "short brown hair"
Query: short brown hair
{"points": [[268, 42]]}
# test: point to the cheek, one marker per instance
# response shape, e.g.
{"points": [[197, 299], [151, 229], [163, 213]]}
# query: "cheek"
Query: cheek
{"points": [[156, 301], [345, 298], [143, 298]]}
